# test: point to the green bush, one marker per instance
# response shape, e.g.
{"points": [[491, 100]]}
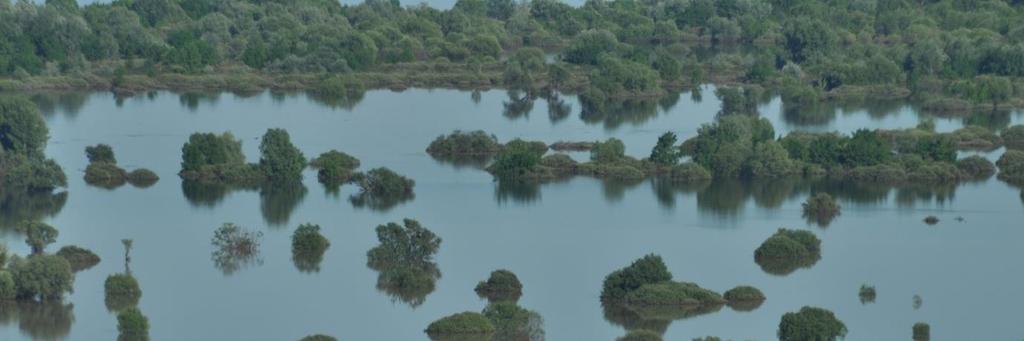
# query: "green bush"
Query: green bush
{"points": [[975, 167], [122, 285], [279, 158], [788, 244], [977, 138], [669, 293], [512, 322], [207, 149], [460, 143], [922, 332], [407, 244], [20, 173], [665, 152], [100, 153], [318, 337], [8, 289], [142, 177], [1013, 137], [105, 174], [518, 160], [821, 208], [609, 151], [307, 239], [22, 128], [811, 323], [743, 293], [931, 220], [867, 293], [78, 258], [460, 324], [383, 182], [38, 235], [501, 285], [334, 166], [649, 269], [132, 323], [42, 276], [640, 335], [937, 172], [1011, 166], [689, 172]]}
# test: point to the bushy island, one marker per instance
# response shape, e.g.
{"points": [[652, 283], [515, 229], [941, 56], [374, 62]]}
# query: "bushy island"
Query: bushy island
{"points": [[502, 285], [308, 247], [811, 323], [787, 250], [79, 258], [103, 171], [643, 296], [501, 319], [1011, 167], [922, 332], [404, 261], [24, 168], [821, 209]]}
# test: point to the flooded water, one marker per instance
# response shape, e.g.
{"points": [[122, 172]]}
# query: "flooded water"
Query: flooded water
{"points": [[561, 239]]}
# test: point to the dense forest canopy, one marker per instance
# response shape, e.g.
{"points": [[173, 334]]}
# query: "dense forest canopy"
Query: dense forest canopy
{"points": [[970, 50]]}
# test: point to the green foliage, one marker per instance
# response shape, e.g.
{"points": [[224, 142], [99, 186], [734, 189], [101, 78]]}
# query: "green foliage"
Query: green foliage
{"points": [[38, 235], [207, 149], [334, 166], [235, 247], [922, 332], [42, 276], [518, 160], [610, 151], [122, 291], [279, 158], [789, 244], [524, 66], [811, 323], [725, 147], [100, 153], [105, 174], [665, 153], [649, 269], [459, 143], [743, 293], [308, 247], [1011, 166], [1013, 136], [131, 323], [588, 46], [79, 258], [22, 128], [8, 288], [821, 208], [640, 335], [737, 100], [20, 173], [512, 322], [409, 244], [318, 337], [461, 324], [867, 293], [339, 86], [383, 182], [976, 167], [500, 286], [618, 77], [669, 293], [142, 177], [689, 172]]}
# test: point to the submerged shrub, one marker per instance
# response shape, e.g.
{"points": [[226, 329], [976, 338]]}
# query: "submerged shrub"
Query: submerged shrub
{"points": [[42, 276], [1011, 166], [922, 332], [235, 247], [78, 258], [461, 324], [38, 235], [689, 172], [640, 335], [787, 250], [334, 166], [384, 182], [208, 149], [821, 208], [512, 322], [339, 86], [518, 160], [308, 247], [500, 286], [409, 244], [975, 167], [318, 337], [121, 291], [669, 293], [867, 294], [931, 220], [279, 158], [142, 177], [105, 174], [811, 323], [646, 270], [975, 137], [464, 143], [8, 289], [743, 293], [100, 153], [1013, 137], [132, 324]]}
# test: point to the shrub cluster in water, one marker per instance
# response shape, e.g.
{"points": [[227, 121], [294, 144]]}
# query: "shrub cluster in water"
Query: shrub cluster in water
{"points": [[459, 143], [811, 323], [103, 171], [787, 250], [219, 158], [308, 247], [235, 248], [744, 298], [79, 258], [821, 208], [867, 294], [404, 261], [922, 332], [121, 291], [461, 324], [1011, 166], [23, 136], [334, 166], [502, 285]]}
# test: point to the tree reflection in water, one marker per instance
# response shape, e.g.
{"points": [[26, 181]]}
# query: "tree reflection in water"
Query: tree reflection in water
{"points": [[16, 208], [46, 320], [404, 261]]}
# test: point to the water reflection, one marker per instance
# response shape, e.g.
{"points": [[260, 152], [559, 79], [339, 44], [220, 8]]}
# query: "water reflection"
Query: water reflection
{"points": [[345, 102], [279, 199], [29, 206], [67, 103], [653, 318], [404, 261], [379, 202], [522, 192], [192, 100], [46, 320], [613, 113]]}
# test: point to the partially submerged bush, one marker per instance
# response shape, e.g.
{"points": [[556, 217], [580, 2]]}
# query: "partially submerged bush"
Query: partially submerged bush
{"points": [[811, 323], [502, 285], [518, 160], [1013, 137], [105, 174], [821, 208], [512, 322], [975, 167], [121, 291], [640, 335], [383, 182], [689, 172], [79, 258], [100, 153], [38, 235], [318, 337], [931, 220], [787, 250], [142, 178], [460, 143], [669, 293], [647, 270], [279, 158], [308, 247], [743, 293], [1011, 166], [235, 247], [977, 138], [42, 276], [867, 294], [922, 332], [466, 323], [334, 166], [132, 324], [8, 289]]}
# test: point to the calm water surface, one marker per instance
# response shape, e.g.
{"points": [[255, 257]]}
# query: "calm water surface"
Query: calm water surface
{"points": [[561, 239]]}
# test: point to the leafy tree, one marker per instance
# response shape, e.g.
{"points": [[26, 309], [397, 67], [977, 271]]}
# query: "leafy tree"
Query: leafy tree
{"points": [[42, 276], [805, 37], [22, 129], [665, 153], [409, 244], [609, 151], [516, 160], [308, 246], [204, 149], [586, 47], [646, 270], [38, 235], [100, 153], [866, 148], [132, 324], [811, 323], [279, 158]]}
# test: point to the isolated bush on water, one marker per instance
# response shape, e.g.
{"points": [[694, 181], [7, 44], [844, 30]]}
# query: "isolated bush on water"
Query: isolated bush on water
{"points": [[235, 247], [318, 337], [383, 182], [122, 291], [308, 247], [502, 285], [1011, 166], [787, 250], [867, 294], [105, 175], [208, 149], [931, 220], [821, 208], [461, 324], [100, 153], [42, 276], [279, 158], [334, 166], [811, 323], [512, 322], [646, 270], [640, 335], [517, 160], [407, 244], [743, 293], [79, 258], [142, 178], [689, 172], [922, 332], [460, 143], [1013, 137], [976, 138]]}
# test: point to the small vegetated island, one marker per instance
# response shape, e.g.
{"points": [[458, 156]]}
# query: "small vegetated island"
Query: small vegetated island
{"points": [[788, 250], [643, 296], [404, 261], [104, 172], [502, 319]]}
